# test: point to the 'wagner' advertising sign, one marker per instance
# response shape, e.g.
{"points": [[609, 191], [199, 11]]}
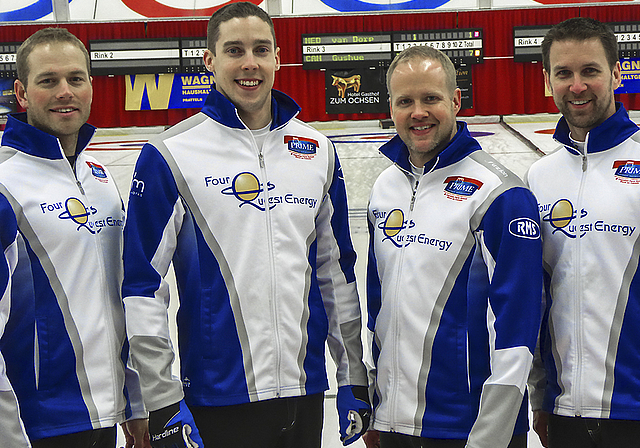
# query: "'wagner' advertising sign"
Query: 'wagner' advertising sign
{"points": [[167, 91], [630, 76]]}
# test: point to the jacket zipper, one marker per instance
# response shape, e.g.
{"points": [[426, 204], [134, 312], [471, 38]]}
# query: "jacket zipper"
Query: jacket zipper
{"points": [[395, 320], [578, 290], [272, 298], [111, 336]]}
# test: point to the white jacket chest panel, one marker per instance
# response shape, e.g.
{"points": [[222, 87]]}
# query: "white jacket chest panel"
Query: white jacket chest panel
{"points": [[60, 209], [590, 223], [232, 184], [419, 247]]}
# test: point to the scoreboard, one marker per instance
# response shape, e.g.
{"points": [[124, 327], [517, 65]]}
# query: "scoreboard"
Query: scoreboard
{"points": [[130, 57], [339, 51], [527, 41]]}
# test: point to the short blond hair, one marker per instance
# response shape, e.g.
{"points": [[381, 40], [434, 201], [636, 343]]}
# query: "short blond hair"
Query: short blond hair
{"points": [[422, 52]]}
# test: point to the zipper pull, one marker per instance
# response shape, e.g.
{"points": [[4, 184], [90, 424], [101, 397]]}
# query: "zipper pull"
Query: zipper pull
{"points": [[261, 159], [80, 187], [584, 163], [413, 197]]}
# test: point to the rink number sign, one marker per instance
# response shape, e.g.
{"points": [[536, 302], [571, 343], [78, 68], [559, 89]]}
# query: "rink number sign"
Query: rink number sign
{"points": [[131, 57], [527, 41]]}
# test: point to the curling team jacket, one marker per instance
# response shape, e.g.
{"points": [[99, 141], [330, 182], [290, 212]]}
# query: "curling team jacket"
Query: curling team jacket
{"points": [[589, 202], [64, 343], [262, 255], [454, 285]]}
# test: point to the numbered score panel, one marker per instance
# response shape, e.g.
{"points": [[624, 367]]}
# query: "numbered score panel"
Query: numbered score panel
{"points": [[463, 46], [192, 55], [8, 59], [527, 41]]}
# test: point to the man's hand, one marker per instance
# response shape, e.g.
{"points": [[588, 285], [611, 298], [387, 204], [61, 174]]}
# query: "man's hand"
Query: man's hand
{"points": [[354, 412], [540, 425], [136, 433], [173, 427], [372, 439]]}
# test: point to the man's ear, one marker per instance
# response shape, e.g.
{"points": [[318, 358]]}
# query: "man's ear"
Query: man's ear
{"points": [[21, 94], [547, 80], [208, 60], [617, 75], [457, 100]]}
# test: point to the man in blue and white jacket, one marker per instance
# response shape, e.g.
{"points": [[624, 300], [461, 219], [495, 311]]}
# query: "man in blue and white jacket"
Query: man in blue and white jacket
{"points": [[61, 221], [586, 378], [454, 275], [249, 204]]}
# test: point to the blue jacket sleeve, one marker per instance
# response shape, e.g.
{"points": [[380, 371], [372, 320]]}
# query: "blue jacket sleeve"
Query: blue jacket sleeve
{"points": [[336, 277], [511, 229], [154, 217], [12, 432], [510, 241]]}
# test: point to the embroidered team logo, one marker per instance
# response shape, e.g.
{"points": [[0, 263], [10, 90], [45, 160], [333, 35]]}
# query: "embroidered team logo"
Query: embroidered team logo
{"points": [[562, 214], [98, 172], [627, 171], [246, 188], [459, 188], [397, 229], [301, 147], [76, 211], [560, 217], [392, 225]]}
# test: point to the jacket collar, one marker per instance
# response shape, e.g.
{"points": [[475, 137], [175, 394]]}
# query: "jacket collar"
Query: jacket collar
{"points": [[220, 109], [22, 136], [615, 130], [458, 148]]}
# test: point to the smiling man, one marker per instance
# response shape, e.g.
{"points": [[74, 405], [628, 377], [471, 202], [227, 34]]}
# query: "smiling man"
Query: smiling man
{"points": [[61, 231], [586, 380], [249, 203], [453, 324]]}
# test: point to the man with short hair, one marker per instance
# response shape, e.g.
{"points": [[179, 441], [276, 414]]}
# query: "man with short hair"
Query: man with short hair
{"points": [[454, 275], [586, 378], [61, 221], [249, 204]]}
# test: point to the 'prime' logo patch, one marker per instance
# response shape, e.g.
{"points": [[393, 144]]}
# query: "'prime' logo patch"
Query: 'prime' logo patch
{"points": [[627, 171], [460, 188], [301, 147]]}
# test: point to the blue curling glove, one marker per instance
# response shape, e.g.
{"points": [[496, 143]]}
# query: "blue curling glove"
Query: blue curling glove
{"points": [[173, 427], [354, 412]]}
